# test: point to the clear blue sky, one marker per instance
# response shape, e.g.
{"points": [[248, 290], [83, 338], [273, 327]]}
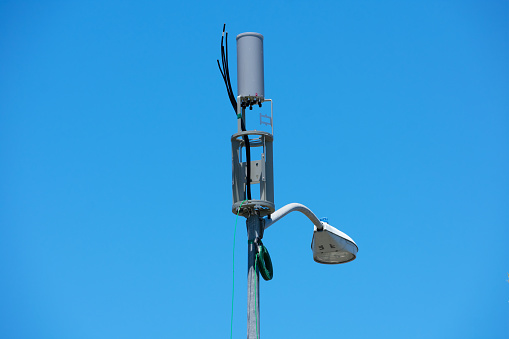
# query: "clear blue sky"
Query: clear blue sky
{"points": [[391, 119]]}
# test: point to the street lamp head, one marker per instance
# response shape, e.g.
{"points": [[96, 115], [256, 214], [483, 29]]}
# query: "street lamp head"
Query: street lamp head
{"points": [[331, 246]]}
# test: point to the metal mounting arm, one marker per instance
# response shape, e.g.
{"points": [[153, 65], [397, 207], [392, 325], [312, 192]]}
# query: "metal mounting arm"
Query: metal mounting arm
{"points": [[290, 208]]}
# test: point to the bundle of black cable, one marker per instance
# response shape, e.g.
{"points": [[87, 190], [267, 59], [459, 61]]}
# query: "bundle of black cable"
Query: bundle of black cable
{"points": [[225, 72]]}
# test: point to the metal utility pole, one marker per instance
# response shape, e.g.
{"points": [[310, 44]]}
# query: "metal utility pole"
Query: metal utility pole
{"points": [[252, 167], [253, 277], [250, 81]]}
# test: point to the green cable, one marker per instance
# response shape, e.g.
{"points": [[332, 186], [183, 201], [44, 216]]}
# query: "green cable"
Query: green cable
{"points": [[263, 259], [233, 286]]}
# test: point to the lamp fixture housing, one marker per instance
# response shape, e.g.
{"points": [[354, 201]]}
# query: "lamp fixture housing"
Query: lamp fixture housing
{"points": [[331, 246]]}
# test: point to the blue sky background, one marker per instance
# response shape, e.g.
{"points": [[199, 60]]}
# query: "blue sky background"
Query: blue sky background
{"points": [[390, 118]]}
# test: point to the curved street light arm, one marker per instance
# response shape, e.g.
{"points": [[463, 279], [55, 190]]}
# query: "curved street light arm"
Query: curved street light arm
{"points": [[290, 208]]}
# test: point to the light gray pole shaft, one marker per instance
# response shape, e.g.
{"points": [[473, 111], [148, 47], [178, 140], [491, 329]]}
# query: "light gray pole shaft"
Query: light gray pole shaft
{"points": [[254, 223]]}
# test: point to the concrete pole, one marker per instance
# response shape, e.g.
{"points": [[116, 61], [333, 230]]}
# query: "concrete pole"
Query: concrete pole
{"points": [[254, 223]]}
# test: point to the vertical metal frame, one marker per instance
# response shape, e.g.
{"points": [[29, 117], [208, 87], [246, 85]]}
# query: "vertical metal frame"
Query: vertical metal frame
{"points": [[265, 205]]}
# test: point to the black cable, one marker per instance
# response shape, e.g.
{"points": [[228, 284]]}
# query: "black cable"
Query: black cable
{"points": [[248, 164], [232, 97], [225, 73]]}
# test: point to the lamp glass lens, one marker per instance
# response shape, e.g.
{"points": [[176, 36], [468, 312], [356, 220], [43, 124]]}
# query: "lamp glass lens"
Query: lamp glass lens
{"points": [[335, 257]]}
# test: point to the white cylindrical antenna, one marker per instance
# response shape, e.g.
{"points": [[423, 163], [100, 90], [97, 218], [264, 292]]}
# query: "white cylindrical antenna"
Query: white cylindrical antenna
{"points": [[250, 83]]}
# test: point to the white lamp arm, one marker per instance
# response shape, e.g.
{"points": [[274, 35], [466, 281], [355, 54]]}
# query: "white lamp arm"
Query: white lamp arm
{"points": [[290, 208]]}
